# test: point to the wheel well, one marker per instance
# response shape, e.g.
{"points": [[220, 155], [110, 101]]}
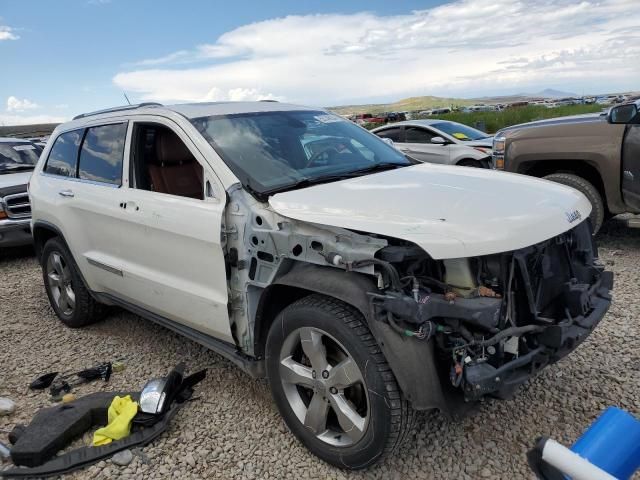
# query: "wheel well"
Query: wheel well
{"points": [[41, 235], [575, 167], [275, 299], [468, 161]]}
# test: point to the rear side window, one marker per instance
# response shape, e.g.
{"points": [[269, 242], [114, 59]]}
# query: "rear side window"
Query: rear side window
{"points": [[102, 153], [64, 154], [417, 135], [392, 133]]}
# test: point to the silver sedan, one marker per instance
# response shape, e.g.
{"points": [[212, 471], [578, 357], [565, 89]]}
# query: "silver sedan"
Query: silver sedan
{"points": [[440, 141]]}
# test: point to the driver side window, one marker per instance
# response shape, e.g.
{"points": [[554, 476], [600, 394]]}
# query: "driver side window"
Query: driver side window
{"points": [[162, 163]]}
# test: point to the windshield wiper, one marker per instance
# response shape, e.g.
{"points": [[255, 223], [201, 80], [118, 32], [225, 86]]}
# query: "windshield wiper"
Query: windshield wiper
{"points": [[309, 181], [15, 167]]}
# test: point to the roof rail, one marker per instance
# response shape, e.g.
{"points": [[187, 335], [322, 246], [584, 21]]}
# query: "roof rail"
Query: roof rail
{"points": [[118, 109]]}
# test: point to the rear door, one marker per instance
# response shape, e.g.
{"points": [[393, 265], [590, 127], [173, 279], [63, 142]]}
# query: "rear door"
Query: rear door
{"points": [[80, 200], [631, 167], [417, 144], [171, 257]]}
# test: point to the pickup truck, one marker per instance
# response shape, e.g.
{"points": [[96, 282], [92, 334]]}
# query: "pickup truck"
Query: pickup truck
{"points": [[17, 160], [597, 154]]}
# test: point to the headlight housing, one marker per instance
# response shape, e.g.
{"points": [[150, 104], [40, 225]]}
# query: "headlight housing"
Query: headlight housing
{"points": [[498, 151]]}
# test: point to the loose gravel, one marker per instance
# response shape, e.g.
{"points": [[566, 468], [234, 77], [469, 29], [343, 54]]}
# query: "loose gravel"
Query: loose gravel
{"points": [[232, 429]]}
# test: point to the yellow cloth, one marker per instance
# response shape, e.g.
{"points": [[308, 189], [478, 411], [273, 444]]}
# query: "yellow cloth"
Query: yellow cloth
{"points": [[121, 412]]}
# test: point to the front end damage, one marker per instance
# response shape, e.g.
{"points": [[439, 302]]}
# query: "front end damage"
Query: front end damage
{"points": [[494, 321]]}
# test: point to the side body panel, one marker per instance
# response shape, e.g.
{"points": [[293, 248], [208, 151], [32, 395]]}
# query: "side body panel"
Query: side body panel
{"points": [[592, 140], [631, 167]]}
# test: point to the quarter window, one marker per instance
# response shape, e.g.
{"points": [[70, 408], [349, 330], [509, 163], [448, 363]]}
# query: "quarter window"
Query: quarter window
{"points": [[64, 154], [102, 153], [417, 135]]}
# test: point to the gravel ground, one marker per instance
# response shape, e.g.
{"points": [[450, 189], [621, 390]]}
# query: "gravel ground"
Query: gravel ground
{"points": [[233, 429]]}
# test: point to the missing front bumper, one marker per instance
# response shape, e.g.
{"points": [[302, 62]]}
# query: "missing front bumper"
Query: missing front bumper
{"points": [[554, 342]]}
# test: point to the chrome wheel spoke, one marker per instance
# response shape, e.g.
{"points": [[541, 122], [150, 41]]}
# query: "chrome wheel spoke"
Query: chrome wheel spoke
{"points": [[349, 419], [54, 279], [70, 296], [344, 374], [295, 373], [57, 264], [316, 416], [66, 274], [314, 349], [63, 301]]}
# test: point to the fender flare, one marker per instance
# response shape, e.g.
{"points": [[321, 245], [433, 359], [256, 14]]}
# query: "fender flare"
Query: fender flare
{"points": [[412, 361]]}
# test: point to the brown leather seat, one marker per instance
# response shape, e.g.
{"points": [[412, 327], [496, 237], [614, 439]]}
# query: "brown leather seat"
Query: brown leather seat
{"points": [[174, 170]]}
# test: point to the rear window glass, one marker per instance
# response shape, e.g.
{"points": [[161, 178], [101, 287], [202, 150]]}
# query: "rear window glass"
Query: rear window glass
{"points": [[392, 133], [102, 153], [64, 154], [417, 135]]}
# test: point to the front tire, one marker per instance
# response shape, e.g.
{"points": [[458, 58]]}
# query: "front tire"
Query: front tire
{"points": [[68, 296], [332, 385], [589, 191]]}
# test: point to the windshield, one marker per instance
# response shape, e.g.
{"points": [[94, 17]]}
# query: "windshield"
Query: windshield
{"points": [[273, 151], [18, 156], [460, 131]]}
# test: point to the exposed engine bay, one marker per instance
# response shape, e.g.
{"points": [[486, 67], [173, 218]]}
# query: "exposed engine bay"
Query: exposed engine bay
{"points": [[496, 319], [488, 322]]}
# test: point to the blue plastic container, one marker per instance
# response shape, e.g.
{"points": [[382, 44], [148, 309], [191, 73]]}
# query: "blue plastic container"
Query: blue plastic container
{"points": [[612, 443]]}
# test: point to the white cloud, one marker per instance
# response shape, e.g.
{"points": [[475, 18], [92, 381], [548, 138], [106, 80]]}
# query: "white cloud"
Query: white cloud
{"points": [[16, 105], [464, 47], [7, 33]]}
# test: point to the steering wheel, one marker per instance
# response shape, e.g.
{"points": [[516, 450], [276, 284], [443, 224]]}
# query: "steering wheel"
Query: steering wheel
{"points": [[316, 156]]}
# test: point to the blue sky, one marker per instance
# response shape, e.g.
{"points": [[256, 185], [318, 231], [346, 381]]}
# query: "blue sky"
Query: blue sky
{"points": [[61, 58]]}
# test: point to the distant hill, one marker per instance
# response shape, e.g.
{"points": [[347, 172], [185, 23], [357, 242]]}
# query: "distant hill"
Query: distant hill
{"points": [[27, 131], [551, 93], [428, 102], [404, 105]]}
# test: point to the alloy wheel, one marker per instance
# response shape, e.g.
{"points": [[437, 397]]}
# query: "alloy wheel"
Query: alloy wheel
{"points": [[324, 386], [59, 279]]}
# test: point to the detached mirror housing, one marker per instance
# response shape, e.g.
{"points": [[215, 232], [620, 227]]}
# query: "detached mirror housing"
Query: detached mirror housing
{"points": [[622, 113], [438, 141]]}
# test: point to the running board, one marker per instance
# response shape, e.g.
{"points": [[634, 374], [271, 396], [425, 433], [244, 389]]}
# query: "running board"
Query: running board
{"points": [[255, 368]]}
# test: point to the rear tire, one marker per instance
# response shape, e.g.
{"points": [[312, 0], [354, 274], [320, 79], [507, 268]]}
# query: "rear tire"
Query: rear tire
{"points": [[349, 424], [589, 191], [69, 298]]}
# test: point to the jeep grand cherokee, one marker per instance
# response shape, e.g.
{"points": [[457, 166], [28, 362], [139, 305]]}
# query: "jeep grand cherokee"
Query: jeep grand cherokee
{"points": [[307, 250]]}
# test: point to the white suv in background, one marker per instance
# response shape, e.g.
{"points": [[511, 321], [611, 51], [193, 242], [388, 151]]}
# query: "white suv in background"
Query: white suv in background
{"points": [[305, 249]]}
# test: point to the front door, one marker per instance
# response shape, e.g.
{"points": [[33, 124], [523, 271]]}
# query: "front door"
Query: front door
{"points": [[631, 167], [171, 251], [416, 143]]}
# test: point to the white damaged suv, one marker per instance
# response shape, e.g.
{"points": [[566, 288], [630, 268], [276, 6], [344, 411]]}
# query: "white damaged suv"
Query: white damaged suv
{"points": [[305, 249]]}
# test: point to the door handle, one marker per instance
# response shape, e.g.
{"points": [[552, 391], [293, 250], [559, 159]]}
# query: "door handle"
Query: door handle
{"points": [[66, 193], [129, 205]]}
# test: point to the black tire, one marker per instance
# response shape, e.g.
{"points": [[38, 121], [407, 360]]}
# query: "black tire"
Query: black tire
{"points": [[589, 191], [389, 418], [86, 310]]}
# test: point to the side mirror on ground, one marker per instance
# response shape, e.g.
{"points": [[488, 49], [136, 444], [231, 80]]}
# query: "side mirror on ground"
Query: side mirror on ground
{"points": [[622, 113], [438, 141]]}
